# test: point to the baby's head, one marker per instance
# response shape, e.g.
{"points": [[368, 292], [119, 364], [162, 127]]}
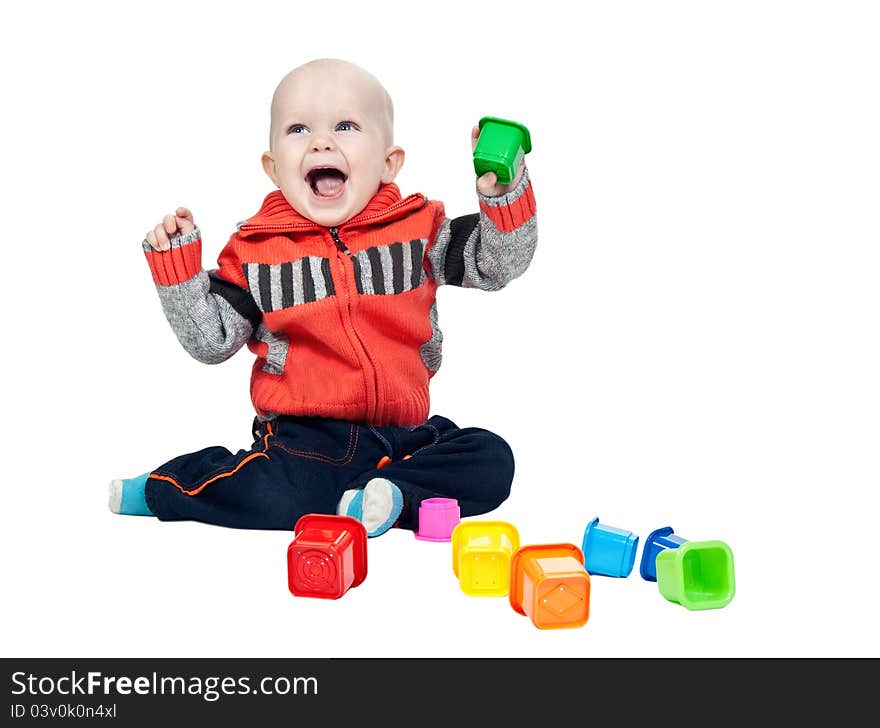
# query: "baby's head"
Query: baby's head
{"points": [[331, 142]]}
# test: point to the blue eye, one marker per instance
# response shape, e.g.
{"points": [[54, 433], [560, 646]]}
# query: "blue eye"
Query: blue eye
{"points": [[344, 126], [297, 129]]}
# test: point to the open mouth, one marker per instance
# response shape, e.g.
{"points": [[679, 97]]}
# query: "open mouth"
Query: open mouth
{"points": [[326, 182]]}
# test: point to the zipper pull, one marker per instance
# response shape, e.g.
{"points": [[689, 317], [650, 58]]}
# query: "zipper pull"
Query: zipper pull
{"points": [[334, 233]]}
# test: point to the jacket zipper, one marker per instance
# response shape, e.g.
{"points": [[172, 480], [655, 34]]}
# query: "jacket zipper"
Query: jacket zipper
{"points": [[334, 233], [371, 382]]}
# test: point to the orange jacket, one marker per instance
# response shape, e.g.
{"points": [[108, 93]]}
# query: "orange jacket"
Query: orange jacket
{"points": [[342, 320]]}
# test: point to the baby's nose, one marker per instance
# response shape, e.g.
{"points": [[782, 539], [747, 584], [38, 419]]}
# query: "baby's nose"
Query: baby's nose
{"points": [[322, 144]]}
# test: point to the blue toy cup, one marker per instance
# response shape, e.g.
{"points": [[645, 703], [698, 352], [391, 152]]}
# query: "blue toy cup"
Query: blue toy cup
{"points": [[659, 540], [609, 551]]}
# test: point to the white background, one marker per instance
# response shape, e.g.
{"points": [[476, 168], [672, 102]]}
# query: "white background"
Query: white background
{"points": [[694, 345]]}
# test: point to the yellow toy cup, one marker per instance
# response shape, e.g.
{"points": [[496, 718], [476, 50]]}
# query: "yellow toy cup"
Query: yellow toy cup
{"points": [[549, 584], [481, 554]]}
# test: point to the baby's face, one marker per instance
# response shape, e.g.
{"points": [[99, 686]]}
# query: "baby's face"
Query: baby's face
{"points": [[331, 145]]}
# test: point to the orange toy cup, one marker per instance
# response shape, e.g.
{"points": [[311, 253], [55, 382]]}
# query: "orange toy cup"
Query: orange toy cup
{"points": [[549, 584], [328, 556]]}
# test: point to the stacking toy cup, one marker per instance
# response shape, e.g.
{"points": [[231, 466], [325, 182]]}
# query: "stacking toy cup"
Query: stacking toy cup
{"points": [[549, 584], [438, 518], [697, 574], [659, 540], [328, 556], [481, 554], [609, 551], [500, 148]]}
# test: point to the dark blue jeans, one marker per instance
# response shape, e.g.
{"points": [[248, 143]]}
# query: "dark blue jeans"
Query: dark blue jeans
{"points": [[300, 465]]}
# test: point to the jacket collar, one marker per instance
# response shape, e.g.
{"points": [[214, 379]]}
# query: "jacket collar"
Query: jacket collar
{"points": [[276, 214]]}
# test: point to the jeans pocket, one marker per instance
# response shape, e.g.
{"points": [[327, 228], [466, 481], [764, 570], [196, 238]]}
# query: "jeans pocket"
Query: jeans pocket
{"points": [[328, 441]]}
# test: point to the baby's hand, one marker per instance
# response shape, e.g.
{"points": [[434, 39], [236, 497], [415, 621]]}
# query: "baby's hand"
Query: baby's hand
{"points": [[180, 223], [487, 183]]}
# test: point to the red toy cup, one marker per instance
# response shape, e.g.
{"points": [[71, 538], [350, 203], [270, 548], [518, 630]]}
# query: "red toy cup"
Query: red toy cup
{"points": [[328, 556], [438, 517]]}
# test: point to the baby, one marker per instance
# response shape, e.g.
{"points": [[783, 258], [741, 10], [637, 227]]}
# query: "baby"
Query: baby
{"points": [[331, 285]]}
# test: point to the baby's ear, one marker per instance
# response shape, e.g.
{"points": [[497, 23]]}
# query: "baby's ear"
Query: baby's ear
{"points": [[269, 167], [393, 162]]}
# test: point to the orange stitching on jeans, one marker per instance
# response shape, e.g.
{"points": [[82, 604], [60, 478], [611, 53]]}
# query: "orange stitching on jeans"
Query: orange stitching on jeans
{"points": [[198, 490], [344, 459]]}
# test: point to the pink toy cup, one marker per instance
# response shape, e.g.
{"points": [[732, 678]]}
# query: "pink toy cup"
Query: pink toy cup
{"points": [[437, 519]]}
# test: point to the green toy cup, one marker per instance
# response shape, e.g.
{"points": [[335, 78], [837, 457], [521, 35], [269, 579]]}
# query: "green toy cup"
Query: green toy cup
{"points": [[697, 574], [501, 146]]}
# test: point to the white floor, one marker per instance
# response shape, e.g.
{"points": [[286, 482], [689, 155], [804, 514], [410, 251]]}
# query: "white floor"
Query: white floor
{"points": [[694, 345]]}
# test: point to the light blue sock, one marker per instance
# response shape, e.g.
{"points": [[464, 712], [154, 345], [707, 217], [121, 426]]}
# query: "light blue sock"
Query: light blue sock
{"points": [[127, 496], [377, 505]]}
